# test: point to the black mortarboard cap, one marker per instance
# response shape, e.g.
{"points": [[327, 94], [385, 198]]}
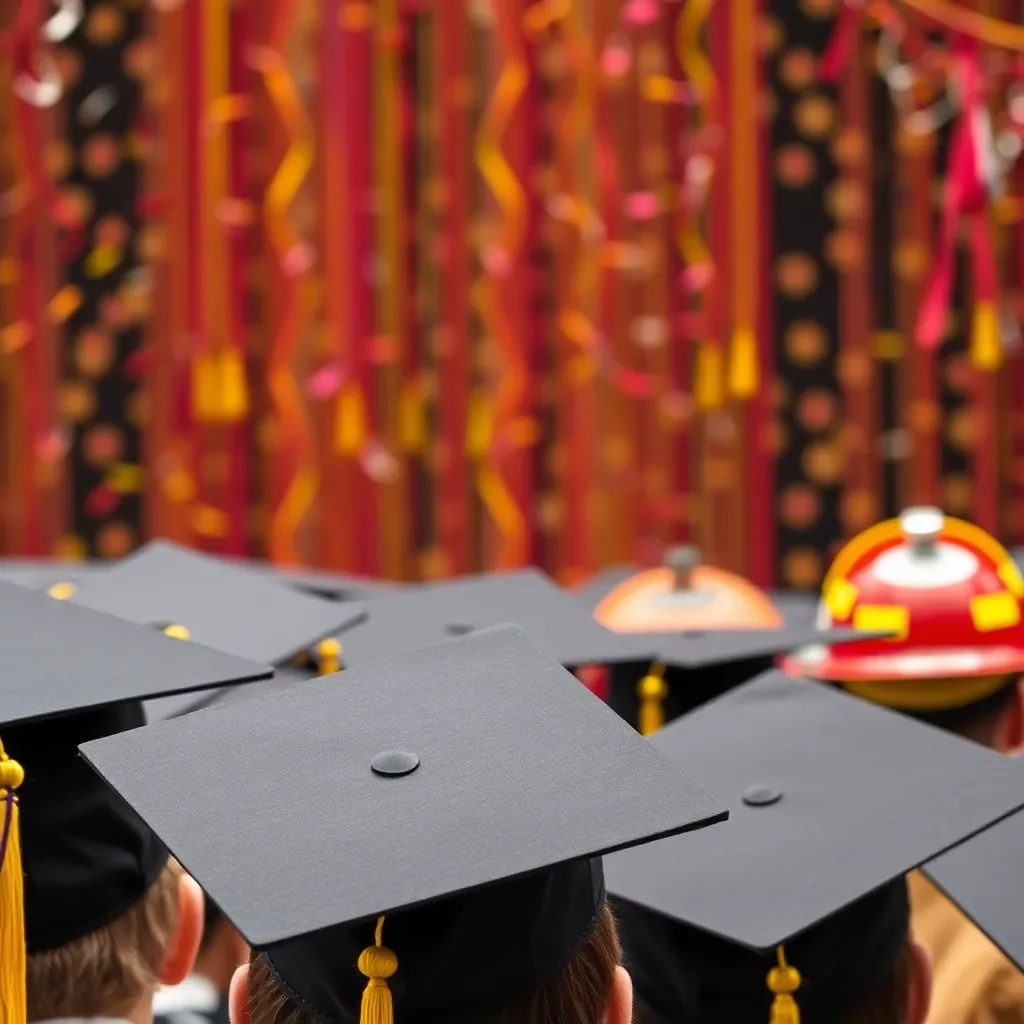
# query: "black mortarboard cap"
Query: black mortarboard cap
{"points": [[69, 674], [334, 585], [982, 877], [833, 800], [463, 790], [222, 604]]}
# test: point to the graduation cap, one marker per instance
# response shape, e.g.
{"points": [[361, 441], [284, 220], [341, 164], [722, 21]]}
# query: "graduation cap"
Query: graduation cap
{"points": [[449, 801], [981, 877], [333, 585], [79, 858], [40, 574], [215, 602], [833, 800]]}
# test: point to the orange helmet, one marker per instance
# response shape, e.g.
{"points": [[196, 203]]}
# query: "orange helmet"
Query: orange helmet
{"points": [[949, 595], [685, 595]]}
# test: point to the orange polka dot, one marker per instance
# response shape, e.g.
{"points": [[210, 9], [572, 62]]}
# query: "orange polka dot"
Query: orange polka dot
{"points": [[924, 416], [76, 401], [70, 547], [100, 155], [797, 274], [814, 117], [962, 429], [797, 68], [105, 25], [845, 250], [802, 567], [94, 352], [795, 166], [858, 510], [115, 540], [771, 33], [819, 9], [911, 260], [816, 409], [823, 463], [806, 343], [850, 147], [103, 444], [854, 369], [957, 494], [846, 198], [800, 506]]}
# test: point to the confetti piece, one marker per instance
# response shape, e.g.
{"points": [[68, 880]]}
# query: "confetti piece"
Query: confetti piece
{"points": [[96, 106], [324, 383], [640, 12], [125, 478], [642, 205], [616, 61], [102, 260], [64, 303]]}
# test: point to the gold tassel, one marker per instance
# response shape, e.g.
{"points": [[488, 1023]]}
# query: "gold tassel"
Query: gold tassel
{"points": [[652, 691], [743, 368], [986, 342], [234, 393], [328, 653], [177, 631], [350, 421], [377, 963], [205, 388], [63, 591], [783, 982], [13, 997], [708, 391]]}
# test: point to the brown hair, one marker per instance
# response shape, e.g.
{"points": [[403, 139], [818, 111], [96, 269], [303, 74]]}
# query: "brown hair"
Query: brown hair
{"points": [[105, 973], [578, 995]]}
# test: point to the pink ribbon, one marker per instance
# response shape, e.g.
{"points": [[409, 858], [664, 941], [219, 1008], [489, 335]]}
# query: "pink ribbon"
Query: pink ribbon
{"points": [[966, 198]]}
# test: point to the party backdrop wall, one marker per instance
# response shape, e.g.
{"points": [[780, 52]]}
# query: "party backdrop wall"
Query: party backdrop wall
{"points": [[418, 288]]}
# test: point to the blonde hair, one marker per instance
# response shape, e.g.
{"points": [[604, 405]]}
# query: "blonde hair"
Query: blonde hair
{"points": [[578, 995], [108, 971]]}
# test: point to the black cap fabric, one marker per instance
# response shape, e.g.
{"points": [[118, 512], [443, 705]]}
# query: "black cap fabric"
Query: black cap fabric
{"points": [[333, 585], [426, 614], [982, 877], [480, 854], [832, 800], [69, 674], [222, 604]]}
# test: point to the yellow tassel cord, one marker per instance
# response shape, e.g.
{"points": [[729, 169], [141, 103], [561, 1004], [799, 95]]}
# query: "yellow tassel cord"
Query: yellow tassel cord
{"points": [[377, 963], [13, 1000], [652, 691], [328, 653], [783, 982], [986, 345]]}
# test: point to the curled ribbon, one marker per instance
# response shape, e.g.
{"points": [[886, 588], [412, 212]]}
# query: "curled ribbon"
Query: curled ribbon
{"points": [[495, 493], [284, 388], [968, 190]]}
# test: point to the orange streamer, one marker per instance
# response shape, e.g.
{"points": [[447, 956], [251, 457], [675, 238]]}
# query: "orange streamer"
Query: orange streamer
{"points": [[494, 490], [982, 27], [292, 171]]}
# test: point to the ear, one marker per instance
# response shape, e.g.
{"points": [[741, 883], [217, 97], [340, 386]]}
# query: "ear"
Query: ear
{"points": [[238, 996], [919, 995], [620, 1002], [184, 945]]}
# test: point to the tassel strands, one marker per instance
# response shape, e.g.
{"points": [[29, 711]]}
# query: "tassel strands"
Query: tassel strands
{"points": [[13, 997], [377, 963], [783, 982], [651, 693]]}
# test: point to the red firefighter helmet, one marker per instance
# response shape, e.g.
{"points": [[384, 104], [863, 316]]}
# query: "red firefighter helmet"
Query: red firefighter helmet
{"points": [[686, 595], [951, 598]]}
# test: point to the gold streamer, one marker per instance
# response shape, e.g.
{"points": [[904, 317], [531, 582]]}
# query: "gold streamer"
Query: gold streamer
{"points": [[284, 390], [500, 178]]}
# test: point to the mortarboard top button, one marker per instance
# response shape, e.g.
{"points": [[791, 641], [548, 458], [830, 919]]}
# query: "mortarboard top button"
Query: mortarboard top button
{"points": [[62, 591], [394, 762], [760, 795]]}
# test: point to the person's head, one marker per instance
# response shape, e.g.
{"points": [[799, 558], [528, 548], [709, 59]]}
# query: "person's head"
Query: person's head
{"points": [[860, 966], [114, 970], [592, 988]]}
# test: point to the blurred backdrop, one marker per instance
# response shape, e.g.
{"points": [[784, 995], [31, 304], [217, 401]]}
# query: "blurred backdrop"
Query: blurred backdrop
{"points": [[415, 288]]}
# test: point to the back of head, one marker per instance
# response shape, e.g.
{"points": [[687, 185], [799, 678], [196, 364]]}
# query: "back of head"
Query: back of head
{"points": [[577, 994], [852, 967]]}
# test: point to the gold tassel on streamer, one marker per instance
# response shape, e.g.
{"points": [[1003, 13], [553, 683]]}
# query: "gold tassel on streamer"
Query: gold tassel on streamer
{"points": [[709, 388], [743, 368], [328, 654], [206, 399], [377, 963], [986, 344], [783, 982], [13, 998], [652, 691], [350, 421], [234, 388]]}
